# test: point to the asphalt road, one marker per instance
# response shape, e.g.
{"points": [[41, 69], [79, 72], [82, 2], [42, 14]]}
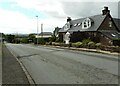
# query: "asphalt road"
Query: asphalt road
{"points": [[49, 65], [12, 72]]}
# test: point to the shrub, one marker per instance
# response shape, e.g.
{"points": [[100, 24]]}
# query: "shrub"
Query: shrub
{"points": [[55, 43], [85, 42], [52, 39], [77, 44], [39, 41], [91, 44], [116, 42], [98, 45], [48, 43], [24, 40]]}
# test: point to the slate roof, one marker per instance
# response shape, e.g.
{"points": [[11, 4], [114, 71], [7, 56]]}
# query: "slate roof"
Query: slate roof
{"points": [[46, 33], [117, 22], [111, 34], [97, 19]]}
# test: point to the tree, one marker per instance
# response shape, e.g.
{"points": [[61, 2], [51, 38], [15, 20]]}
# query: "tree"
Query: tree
{"points": [[31, 37], [52, 39], [24, 40], [10, 38]]}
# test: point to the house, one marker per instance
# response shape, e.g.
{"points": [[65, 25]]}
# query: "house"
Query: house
{"points": [[99, 28], [44, 35]]}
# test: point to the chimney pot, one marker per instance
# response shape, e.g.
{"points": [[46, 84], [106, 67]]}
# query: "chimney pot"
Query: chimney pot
{"points": [[105, 11], [69, 19]]}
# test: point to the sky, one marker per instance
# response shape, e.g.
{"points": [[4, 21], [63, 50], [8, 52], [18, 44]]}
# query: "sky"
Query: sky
{"points": [[19, 16]]}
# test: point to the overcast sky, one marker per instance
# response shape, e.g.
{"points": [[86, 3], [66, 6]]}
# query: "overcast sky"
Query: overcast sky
{"points": [[19, 16]]}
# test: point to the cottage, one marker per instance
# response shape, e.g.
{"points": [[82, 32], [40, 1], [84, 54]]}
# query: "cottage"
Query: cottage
{"points": [[44, 35], [99, 28]]}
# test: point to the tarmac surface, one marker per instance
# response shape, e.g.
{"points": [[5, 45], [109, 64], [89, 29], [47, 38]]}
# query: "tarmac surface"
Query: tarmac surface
{"points": [[12, 72], [48, 65]]}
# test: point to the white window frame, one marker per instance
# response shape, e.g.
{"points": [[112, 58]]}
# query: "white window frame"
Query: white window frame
{"points": [[79, 24], [67, 26], [86, 22]]}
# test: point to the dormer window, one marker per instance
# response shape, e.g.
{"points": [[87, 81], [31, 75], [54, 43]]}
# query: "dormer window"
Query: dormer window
{"points": [[86, 23], [67, 26]]}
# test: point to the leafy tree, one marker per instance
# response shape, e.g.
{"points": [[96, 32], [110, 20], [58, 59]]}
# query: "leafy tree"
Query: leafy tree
{"points": [[24, 40], [40, 41], [10, 38], [52, 39], [31, 37]]}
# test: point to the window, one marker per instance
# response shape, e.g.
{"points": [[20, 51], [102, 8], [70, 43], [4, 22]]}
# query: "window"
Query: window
{"points": [[75, 25], [110, 24], [113, 35], [109, 18], [86, 23], [67, 26], [79, 24]]}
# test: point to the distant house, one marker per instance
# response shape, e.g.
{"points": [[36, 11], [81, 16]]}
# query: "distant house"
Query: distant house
{"points": [[99, 28], [44, 35]]}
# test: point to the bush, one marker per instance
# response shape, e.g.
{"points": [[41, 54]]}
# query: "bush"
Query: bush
{"points": [[91, 44], [98, 45], [116, 42], [39, 40], [48, 43], [52, 39], [56, 44], [24, 40], [77, 44], [85, 42]]}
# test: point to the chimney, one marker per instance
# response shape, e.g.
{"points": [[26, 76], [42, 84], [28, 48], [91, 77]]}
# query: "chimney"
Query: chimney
{"points": [[105, 11], [69, 19]]}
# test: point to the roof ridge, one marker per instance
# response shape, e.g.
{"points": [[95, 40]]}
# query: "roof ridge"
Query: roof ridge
{"points": [[88, 17]]}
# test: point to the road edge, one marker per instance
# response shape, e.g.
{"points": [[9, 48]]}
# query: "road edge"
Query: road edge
{"points": [[87, 50], [30, 79]]}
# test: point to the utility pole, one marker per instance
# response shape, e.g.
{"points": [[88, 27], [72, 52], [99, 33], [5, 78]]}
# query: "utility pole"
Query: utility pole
{"points": [[37, 29], [41, 30]]}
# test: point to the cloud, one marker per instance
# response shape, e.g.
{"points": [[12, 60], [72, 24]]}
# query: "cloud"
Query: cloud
{"points": [[64, 8], [50, 7], [56, 10], [84, 9], [15, 22]]}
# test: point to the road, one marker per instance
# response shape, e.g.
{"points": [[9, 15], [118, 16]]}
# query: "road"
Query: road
{"points": [[49, 65], [12, 73]]}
